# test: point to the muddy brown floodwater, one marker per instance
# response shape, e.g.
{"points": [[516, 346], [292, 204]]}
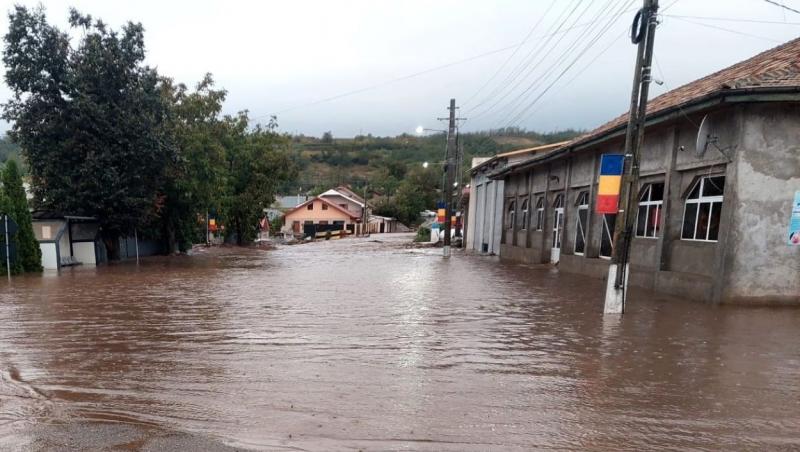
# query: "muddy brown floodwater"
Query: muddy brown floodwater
{"points": [[357, 344]]}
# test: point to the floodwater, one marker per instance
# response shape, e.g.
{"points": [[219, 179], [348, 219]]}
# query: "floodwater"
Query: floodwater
{"points": [[357, 344]]}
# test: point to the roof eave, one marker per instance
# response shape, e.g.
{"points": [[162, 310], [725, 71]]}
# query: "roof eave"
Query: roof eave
{"points": [[728, 96]]}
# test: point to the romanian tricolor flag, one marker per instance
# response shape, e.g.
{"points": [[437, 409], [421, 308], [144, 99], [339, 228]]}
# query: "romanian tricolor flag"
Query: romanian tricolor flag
{"points": [[440, 216], [611, 166]]}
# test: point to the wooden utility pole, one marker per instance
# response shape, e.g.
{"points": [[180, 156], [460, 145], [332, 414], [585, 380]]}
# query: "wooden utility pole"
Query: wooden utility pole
{"points": [[449, 168], [644, 36]]}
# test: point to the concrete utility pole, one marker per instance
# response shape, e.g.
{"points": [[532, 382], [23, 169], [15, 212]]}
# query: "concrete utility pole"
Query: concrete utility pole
{"points": [[644, 36], [449, 168]]}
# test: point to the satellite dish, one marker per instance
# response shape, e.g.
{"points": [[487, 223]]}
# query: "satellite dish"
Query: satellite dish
{"points": [[704, 138]]}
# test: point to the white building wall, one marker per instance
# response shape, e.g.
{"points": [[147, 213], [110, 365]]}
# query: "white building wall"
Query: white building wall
{"points": [[49, 256], [84, 253]]}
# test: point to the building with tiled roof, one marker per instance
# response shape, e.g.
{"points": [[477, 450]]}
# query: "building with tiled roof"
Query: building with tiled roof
{"points": [[483, 229], [711, 224]]}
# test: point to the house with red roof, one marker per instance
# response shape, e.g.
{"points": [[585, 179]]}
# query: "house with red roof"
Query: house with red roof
{"points": [[319, 214], [713, 204]]}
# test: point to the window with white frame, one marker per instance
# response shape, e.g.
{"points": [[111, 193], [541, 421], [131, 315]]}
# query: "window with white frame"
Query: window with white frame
{"points": [[510, 213], [540, 213], [524, 224], [607, 237], [702, 211], [581, 222], [648, 217]]}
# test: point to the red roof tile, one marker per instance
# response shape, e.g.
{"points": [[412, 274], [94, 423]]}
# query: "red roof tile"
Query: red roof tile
{"points": [[775, 68]]}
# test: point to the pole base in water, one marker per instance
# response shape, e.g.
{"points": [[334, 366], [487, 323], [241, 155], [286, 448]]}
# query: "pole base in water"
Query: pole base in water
{"points": [[615, 298], [446, 251]]}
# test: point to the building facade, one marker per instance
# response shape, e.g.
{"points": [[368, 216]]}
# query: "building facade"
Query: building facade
{"points": [[485, 209], [322, 214], [711, 223]]}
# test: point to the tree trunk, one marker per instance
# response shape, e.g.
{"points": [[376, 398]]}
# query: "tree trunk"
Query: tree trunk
{"points": [[111, 240]]}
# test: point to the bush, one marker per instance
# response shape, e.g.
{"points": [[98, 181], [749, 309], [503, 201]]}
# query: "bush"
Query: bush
{"points": [[423, 234]]}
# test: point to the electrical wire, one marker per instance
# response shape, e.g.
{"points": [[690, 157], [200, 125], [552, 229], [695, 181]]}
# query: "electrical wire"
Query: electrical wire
{"points": [[508, 87], [731, 19], [764, 38], [515, 104], [510, 57], [781, 5], [526, 62], [412, 75], [604, 29]]}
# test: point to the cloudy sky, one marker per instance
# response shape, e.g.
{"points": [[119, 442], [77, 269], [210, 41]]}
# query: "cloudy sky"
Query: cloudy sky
{"points": [[385, 67]]}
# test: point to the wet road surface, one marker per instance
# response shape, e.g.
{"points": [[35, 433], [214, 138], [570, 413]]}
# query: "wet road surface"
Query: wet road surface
{"points": [[356, 344]]}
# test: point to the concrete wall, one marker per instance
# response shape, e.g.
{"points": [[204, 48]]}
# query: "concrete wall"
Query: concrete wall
{"points": [[49, 256], [84, 253], [760, 264]]}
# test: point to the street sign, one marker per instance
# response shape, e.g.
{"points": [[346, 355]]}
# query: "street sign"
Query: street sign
{"points": [[12, 226]]}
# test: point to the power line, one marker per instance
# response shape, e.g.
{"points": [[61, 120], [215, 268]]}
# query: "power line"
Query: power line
{"points": [[510, 57], [731, 19], [531, 67], [543, 77], [781, 5], [519, 69], [603, 30], [764, 38], [415, 74]]}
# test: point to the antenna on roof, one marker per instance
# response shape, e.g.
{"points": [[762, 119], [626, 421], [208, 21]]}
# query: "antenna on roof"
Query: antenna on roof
{"points": [[705, 138]]}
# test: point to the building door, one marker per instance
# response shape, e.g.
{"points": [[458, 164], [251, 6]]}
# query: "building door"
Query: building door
{"points": [[558, 228]]}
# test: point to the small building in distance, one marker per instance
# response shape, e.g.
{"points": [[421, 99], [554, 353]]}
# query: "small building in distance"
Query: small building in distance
{"points": [[67, 240]]}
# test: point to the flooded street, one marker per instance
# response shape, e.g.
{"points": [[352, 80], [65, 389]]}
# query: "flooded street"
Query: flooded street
{"points": [[360, 344]]}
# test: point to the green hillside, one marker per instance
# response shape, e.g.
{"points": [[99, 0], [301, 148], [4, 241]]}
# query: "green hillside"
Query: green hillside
{"points": [[383, 162]]}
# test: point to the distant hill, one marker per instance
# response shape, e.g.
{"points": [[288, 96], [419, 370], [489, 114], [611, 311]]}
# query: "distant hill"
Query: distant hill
{"points": [[384, 161]]}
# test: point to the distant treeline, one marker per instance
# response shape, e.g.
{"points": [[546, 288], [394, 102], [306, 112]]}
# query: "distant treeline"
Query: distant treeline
{"points": [[369, 159]]}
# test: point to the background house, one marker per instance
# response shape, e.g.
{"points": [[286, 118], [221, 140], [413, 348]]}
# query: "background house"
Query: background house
{"points": [[319, 214]]}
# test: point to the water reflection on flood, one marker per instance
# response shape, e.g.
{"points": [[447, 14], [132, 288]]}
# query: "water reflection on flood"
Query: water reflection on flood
{"points": [[360, 344]]}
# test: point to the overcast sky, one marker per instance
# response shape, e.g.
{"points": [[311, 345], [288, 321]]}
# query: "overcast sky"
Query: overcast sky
{"points": [[287, 57]]}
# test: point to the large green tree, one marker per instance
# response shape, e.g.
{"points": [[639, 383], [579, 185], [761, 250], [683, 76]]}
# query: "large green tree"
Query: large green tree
{"points": [[89, 118], [196, 177], [258, 162], [29, 256]]}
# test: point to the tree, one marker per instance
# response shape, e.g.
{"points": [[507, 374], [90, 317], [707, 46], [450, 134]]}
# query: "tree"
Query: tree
{"points": [[29, 256], [417, 192], [89, 119], [195, 177], [258, 162]]}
